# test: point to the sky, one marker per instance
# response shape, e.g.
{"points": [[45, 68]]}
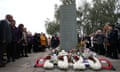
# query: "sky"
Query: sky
{"points": [[32, 13]]}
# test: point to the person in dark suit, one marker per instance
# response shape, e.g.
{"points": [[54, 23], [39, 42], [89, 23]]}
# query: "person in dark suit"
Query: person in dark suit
{"points": [[5, 36], [113, 42], [11, 49]]}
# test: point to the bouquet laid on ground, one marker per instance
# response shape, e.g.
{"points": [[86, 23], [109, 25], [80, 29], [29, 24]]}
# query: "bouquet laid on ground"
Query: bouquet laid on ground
{"points": [[74, 58]]}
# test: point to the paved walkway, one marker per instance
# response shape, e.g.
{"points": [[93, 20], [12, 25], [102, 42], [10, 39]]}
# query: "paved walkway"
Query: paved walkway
{"points": [[26, 65]]}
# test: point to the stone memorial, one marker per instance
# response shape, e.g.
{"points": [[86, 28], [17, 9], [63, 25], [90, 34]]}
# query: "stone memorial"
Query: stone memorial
{"points": [[68, 25]]}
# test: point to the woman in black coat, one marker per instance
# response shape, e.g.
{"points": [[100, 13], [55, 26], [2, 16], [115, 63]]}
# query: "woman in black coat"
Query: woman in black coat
{"points": [[113, 41]]}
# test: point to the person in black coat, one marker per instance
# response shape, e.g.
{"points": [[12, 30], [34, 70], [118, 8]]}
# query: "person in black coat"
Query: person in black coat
{"points": [[118, 28], [100, 38], [36, 42], [30, 42], [11, 49], [55, 41], [88, 43], [19, 49], [5, 36], [113, 42]]}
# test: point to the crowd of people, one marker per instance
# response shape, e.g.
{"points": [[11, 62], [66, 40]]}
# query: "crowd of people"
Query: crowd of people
{"points": [[105, 41], [17, 42], [41, 42]]}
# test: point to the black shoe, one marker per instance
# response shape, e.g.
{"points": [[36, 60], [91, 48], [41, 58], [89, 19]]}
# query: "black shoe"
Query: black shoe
{"points": [[22, 56], [8, 61], [26, 56], [114, 57], [109, 56], [2, 65], [13, 60], [17, 57], [4, 59], [29, 52]]}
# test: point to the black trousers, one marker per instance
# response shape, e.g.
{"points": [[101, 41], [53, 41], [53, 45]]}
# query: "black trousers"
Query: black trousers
{"points": [[29, 48], [119, 46], [95, 48], [109, 51], [88, 45], [36, 47], [11, 51], [18, 51], [2, 48], [114, 50], [101, 49], [43, 47], [25, 50]]}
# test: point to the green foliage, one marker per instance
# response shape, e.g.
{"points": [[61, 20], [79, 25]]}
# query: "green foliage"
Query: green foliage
{"points": [[52, 27], [95, 16], [103, 11]]}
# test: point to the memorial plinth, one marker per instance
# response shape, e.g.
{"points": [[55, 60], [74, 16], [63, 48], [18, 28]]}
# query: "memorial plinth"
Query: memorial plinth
{"points": [[68, 31]]}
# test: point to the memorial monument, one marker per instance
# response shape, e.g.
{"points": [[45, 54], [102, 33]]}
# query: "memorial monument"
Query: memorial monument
{"points": [[68, 30]]}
